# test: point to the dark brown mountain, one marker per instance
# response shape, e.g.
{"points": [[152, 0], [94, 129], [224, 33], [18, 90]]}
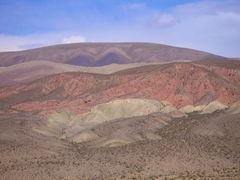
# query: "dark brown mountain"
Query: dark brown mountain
{"points": [[98, 54]]}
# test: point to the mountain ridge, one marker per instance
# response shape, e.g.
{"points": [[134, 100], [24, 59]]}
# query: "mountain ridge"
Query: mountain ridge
{"points": [[98, 54], [179, 83]]}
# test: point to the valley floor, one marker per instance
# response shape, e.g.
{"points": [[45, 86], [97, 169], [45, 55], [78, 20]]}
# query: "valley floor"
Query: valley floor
{"points": [[197, 146]]}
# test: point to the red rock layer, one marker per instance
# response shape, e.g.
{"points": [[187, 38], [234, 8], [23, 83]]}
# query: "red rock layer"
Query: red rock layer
{"points": [[181, 84]]}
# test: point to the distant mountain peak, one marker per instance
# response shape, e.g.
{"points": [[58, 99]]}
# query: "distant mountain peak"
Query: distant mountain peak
{"points": [[97, 54]]}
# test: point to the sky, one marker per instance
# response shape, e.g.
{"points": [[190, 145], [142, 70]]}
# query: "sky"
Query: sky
{"points": [[207, 25]]}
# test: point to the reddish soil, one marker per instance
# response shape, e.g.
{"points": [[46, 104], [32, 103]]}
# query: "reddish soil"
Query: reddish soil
{"points": [[179, 83]]}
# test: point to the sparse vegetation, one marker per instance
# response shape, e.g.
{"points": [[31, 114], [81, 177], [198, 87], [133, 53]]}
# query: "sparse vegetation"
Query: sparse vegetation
{"points": [[181, 153]]}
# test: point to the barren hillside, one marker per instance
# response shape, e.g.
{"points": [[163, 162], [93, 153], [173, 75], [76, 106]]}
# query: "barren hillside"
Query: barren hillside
{"points": [[98, 54]]}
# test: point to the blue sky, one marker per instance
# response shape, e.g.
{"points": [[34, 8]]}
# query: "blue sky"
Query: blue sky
{"points": [[209, 25]]}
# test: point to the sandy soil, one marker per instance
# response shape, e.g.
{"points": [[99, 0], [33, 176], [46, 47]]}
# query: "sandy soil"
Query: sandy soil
{"points": [[197, 146]]}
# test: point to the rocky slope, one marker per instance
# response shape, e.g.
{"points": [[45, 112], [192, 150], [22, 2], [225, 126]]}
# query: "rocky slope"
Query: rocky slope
{"points": [[180, 84], [32, 70]]}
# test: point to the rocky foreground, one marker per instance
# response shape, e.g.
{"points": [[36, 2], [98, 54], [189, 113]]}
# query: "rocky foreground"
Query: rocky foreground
{"points": [[158, 146]]}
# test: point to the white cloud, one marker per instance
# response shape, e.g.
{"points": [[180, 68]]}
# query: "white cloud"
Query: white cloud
{"points": [[16, 43], [211, 26], [229, 16], [134, 6], [10, 43], [205, 7], [74, 39], [164, 20]]}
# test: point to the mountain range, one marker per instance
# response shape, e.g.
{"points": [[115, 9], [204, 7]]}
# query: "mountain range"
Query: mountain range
{"points": [[110, 110]]}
